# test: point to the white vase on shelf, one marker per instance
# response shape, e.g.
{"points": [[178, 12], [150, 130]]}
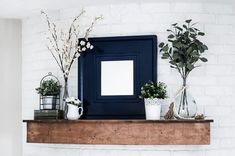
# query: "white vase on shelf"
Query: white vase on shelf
{"points": [[74, 112], [152, 109]]}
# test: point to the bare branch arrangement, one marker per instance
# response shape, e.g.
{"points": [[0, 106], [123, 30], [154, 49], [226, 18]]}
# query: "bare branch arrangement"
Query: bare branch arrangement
{"points": [[66, 46]]}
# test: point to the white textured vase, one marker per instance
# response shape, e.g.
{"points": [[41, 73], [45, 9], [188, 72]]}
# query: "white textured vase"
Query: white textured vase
{"points": [[152, 109], [74, 112]]}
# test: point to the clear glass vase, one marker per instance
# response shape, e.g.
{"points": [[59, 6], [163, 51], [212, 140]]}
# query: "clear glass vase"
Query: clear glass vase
{"points": [[66, 95], [185, 107]]}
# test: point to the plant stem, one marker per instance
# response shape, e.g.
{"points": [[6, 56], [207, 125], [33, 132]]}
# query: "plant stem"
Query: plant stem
{"points": [[66, 94], [183, 100]]}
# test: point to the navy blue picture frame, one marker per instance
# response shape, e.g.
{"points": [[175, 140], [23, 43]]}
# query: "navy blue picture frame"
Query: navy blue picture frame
{"points": [[142, 50]]}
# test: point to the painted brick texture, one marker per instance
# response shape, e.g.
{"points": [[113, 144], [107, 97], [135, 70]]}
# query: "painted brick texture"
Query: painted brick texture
{"points": [[213, 84]]}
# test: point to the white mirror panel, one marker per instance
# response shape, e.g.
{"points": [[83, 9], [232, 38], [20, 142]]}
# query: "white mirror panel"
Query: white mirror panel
{"points": [[117, 78]]}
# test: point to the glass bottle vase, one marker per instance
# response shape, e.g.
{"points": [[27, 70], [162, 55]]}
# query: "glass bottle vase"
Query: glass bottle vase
{"points": [[185, 106], [66, 95]]}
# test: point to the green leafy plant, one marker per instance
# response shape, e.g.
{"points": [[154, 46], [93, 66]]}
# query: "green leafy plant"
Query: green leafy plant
{"points": [[49, 88], [153, 90], [184, 48]]}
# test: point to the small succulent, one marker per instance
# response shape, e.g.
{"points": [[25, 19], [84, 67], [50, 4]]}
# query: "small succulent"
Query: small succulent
{"points": [[153, 90]]}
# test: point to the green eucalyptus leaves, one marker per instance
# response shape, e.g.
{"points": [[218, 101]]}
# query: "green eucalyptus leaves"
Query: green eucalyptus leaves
{"points": [[184, 48]]}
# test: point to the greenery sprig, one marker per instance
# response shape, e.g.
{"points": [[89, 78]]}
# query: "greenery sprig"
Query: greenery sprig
{"points": [[49, 88], [184, 48]]}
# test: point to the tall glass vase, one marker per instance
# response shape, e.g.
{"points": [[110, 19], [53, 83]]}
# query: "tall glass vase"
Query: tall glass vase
{"points": [[185, 107], [66, 95]]}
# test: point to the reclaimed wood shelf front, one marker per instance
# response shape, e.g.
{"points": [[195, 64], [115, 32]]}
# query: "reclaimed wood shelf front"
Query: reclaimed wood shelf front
{"points": [[119, 132]]}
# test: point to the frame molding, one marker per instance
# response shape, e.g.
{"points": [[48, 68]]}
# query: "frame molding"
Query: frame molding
{"points": [[142, 50]]}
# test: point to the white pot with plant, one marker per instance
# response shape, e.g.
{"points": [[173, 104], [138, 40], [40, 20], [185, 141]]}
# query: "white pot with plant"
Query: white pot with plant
{"points": [[49, 90], [75, 109], [153, 93]]}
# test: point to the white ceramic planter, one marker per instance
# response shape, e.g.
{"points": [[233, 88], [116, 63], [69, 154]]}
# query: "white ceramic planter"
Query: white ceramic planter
{"points": [[74, 112], [152, 109]]}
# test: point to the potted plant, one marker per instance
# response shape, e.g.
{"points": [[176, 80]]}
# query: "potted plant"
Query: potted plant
{"points": [[49, 90], [184, 50], [153, 93], [75, 109]]}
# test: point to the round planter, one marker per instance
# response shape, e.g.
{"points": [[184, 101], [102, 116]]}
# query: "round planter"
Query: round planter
{"points": [[152, 109], [74, 112], [49, 102]]}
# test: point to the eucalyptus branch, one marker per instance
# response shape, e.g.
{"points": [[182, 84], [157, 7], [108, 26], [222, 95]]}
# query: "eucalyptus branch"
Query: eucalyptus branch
{"points": [[187, 48], [171, 58], [187, 51]]}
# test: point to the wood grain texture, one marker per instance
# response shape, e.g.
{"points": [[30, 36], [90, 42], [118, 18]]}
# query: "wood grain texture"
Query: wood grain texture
{"points": [[118, 132]]}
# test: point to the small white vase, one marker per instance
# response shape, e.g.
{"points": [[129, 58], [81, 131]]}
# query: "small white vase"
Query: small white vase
{"points": [[74, 112], [152, 109]]}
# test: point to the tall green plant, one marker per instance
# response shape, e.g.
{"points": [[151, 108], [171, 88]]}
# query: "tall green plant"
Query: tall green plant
{"points": [[183, 49]]}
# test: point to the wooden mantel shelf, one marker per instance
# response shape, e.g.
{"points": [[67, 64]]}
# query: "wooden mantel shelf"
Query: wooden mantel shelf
{"points": [[119, 132]]}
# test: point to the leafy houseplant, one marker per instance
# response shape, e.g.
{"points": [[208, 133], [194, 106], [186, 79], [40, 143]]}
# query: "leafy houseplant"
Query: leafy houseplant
{"points": [[153, 90], [152, 93], [184, 50], [49, 89]]}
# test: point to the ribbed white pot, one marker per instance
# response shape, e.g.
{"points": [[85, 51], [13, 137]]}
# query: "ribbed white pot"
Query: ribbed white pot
{"points": [[152, 109]]}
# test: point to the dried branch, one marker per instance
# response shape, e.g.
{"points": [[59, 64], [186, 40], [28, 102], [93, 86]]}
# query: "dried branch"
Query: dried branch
{"points": [[90, 28], [54, 57], [65, 46]]}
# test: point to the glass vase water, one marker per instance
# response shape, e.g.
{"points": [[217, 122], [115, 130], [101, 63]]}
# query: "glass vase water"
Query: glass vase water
{"points": [[66, 95], [185, 106]]}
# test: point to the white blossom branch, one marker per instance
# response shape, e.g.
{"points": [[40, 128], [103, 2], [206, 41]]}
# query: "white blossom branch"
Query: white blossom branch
{"points": [[65, 46]]}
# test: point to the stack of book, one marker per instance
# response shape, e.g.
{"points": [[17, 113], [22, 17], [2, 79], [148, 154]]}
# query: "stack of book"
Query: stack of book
{"points": [[48, 114]]}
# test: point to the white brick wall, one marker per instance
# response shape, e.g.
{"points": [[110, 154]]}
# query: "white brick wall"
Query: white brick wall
{"points": [[213, 85]]}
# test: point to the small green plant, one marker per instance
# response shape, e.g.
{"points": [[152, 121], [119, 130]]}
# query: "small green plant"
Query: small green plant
{"points": [[49, 88], [153, 90]]}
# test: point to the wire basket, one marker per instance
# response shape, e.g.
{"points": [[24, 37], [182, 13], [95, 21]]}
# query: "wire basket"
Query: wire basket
{"points": [[49, 102]]}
